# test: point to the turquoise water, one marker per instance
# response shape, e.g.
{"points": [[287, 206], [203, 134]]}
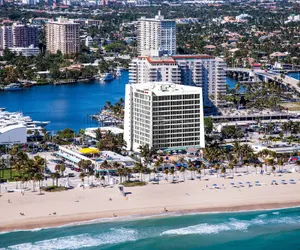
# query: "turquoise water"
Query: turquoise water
{"points": [[276, 230], [230, 82], [295, 75]]}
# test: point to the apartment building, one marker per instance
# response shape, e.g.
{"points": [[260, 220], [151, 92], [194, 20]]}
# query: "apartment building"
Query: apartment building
{"points": [[62, 35], [203, 71], [6, 37], [156, 36], [24, 35], [163, 115]]}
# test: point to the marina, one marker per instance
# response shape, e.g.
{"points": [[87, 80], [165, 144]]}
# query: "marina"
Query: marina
{"points": [[66, 106]]}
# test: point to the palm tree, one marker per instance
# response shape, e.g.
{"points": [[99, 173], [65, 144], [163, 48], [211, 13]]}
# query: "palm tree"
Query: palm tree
{"points": [[199, 172], [217, 167], [166, 173], [81, 176], [255, 166], [38, 177], [230, 166], [138, 168], [203, 168], [97, 176], [56, 176], [172, 172], [120, 173], [53, 178], [182, 171]]}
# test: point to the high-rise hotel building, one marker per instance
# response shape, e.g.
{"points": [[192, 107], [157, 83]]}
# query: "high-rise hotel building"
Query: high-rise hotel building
{"points": [[203, 71], [163, 115], [156, 36], [62, 35]]}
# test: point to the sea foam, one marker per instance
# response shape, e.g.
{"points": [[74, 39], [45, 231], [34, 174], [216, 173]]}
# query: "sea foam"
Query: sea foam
{"points": [[114, 236], [233, 225]]}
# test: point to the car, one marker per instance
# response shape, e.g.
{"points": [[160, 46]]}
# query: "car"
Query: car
{"points": [[71, 175]]}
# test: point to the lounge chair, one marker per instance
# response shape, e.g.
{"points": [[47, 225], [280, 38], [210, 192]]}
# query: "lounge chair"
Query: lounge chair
{"points": [[232, 184], [292, 181], [283, 182]]}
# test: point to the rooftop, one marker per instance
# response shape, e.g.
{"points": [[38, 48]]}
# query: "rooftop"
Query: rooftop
{"points": [[166, 88]]}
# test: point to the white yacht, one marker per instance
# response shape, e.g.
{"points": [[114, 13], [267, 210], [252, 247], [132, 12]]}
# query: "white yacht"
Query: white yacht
{"points": [[17, 118], [13, 87], [118, 72]]}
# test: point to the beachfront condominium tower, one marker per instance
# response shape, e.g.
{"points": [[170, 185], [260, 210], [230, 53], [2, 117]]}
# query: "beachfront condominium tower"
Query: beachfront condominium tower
{"points": [[203, 71], [156, 36], [62, 35], [163, 115]]}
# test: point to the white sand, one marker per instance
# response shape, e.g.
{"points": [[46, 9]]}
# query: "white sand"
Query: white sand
{"points": [[151, 199]]}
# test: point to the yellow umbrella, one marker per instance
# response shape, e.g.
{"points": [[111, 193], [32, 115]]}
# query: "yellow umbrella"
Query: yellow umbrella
{"points": [[89, 151]]}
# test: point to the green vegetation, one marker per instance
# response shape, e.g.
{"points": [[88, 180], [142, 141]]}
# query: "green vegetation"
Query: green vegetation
{"points": [[134, 183], [53, 189], [8, 174]]}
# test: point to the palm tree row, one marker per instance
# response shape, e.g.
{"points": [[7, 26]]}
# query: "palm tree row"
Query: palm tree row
{"points": [[27, 169]]}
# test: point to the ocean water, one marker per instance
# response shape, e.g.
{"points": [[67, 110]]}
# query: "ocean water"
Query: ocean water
{"points": [[272, 229], [66, 106]]}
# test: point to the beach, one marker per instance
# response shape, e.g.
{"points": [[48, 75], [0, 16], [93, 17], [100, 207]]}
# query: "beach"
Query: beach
{"points": [[78, 205]]}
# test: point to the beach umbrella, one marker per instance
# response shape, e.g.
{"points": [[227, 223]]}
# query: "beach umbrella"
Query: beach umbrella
{"points": [[215, 185]]}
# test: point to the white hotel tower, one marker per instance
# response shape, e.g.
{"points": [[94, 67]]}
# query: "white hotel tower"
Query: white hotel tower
{"points": [[163, 115], [156, 36]]}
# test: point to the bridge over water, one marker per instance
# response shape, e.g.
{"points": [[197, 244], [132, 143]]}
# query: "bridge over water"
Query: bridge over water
{"points": [[257, 74]]}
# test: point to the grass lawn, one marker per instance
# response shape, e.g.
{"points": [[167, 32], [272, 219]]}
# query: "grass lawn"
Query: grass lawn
{"points": [[133, 183], [5, 174]]}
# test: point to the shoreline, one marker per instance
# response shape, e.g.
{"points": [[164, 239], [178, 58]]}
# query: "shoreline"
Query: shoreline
{"points": [[130, 214]]}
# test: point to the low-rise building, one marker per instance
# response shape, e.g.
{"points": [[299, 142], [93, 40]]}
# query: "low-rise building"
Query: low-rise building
{"points": [[13, 134], [25, 51]]}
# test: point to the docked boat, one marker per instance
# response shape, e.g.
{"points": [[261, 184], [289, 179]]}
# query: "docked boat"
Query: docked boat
{"points": [[278, 68], [13, 87], [17, 118], [118, 72], [108, 77]]}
